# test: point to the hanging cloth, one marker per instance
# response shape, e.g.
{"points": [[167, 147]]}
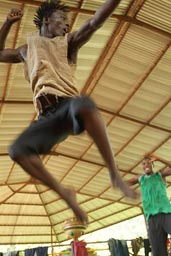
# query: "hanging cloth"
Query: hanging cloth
{"points": [[79, 248], [42, 251], [112, 246], [39, 251], [30, 252], [137, 244], [72, 249], [123, 248], [147, 247], [118, 247], [14, 253]]}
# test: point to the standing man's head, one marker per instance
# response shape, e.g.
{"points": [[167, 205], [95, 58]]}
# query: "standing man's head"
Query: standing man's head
{"points": [[51, 19], [147, 165]]}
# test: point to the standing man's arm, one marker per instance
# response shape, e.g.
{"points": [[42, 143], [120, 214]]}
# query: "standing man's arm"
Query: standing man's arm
{"points": [[133, 181], [165, 171], [85, 32], [10, 55], [160, 159]]}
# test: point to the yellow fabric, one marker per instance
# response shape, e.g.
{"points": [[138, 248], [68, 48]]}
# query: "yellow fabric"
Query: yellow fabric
{"points": [[47, 69]]}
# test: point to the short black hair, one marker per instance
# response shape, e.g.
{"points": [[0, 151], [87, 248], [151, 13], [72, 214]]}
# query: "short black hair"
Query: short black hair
{"points": [[148, 158], [46, 9]]}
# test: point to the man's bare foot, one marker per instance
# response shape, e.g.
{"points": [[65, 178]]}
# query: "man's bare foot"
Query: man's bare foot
{"points": [[72, 202]]}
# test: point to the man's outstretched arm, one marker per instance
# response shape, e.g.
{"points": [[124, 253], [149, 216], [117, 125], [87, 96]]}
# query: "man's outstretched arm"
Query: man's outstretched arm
{"points": [[162, 160], [164, 171], [103, 13], [9, 55], [84, 33], [133, 181]]}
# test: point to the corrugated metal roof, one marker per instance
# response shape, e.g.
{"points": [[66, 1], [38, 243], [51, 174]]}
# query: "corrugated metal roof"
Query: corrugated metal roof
{"points": [[125, 68]]}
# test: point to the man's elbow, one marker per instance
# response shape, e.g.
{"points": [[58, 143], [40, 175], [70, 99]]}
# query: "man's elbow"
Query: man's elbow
{"points": [[1, 56], [94, 25]]}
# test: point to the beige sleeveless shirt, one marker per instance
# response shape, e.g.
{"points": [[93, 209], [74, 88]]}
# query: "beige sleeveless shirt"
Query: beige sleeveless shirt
{"points": [[47, 69]]}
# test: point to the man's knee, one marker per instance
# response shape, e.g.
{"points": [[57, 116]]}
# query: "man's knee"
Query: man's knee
{"points": [[18, 150], [13, 149], [85, 103]]}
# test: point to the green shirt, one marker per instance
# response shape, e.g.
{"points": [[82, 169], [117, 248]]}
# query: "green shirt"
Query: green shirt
{"points": [[154, 195]]}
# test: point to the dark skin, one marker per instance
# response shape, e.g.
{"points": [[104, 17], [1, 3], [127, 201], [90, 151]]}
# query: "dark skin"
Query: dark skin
{"points": [[57, 25], [147, 165]]}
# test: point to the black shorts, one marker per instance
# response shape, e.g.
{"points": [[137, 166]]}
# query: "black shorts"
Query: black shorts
{"points": [[53, 126]]}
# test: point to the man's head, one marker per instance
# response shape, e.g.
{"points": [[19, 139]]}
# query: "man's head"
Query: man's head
{"points": [[147, 165], [51, 19]]}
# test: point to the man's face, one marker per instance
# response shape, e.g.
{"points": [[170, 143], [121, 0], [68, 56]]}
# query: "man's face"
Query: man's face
{"points": [[147, 166], [55, 25]]}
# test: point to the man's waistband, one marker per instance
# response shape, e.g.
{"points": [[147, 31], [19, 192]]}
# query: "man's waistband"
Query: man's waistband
{"points": [[46, 101]]}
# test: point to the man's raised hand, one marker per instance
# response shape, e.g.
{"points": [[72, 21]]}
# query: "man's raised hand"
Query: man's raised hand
{"points": [[15, 15]]}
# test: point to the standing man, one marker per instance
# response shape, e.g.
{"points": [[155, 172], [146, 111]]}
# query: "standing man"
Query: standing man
{"points": [[49, 59], [155, 202]]}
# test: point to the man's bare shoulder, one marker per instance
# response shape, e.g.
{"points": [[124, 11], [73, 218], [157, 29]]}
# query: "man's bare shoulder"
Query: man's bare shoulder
{"points": [[23, 52]]}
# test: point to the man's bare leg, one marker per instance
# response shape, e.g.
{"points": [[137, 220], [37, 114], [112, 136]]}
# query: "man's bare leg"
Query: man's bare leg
{"points": [[33, 166], [96, 129]]}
